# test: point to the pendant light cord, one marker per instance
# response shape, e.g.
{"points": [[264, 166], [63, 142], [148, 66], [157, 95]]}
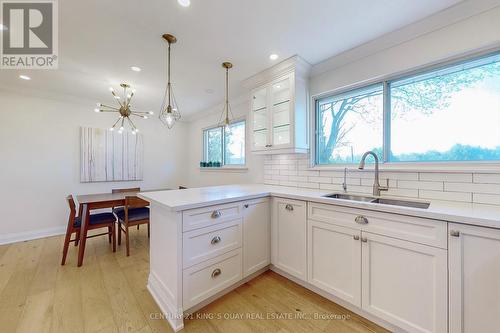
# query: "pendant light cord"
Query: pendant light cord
{"points": [[169, 107]]}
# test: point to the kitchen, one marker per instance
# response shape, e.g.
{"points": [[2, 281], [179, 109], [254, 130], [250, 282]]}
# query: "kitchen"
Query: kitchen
{"points": [[300, 174]]}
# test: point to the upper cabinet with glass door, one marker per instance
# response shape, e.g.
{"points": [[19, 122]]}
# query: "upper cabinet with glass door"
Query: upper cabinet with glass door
{"points": [[279, 108]]}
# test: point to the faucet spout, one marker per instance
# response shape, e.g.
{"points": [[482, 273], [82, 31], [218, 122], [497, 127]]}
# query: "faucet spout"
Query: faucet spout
{"points": [[376, 183]]}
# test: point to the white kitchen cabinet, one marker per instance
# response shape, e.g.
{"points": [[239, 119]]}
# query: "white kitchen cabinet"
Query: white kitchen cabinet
{"points": [[474, 266], [256, 235], [334, 257], [288, 234], [279, 108], [405, 283]]}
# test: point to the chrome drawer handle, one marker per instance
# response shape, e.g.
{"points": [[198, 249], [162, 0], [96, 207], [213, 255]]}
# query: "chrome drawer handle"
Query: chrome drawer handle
{"points": [[364, 239], [356, 237], [361, 219], [215, 240], [216, 273], [454, 233], [246, 205], [289, 207], [216, 214]]}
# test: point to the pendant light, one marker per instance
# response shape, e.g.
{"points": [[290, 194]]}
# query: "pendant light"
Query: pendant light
{"points": [[169, 113], [124, 109], [226, 116]]}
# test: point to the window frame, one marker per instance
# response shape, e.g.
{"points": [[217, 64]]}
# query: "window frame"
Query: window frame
{"points": [[223, 145], [385, 164]]}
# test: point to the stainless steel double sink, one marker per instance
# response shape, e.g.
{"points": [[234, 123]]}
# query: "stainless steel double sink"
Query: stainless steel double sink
{"points": [[383, 201]]}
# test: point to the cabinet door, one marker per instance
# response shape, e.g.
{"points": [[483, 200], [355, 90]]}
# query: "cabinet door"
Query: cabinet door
{"points": [[474, 265], [289, 236], [333, 257], [256, 235], [405, 283], [260, 119], [281, 107]]}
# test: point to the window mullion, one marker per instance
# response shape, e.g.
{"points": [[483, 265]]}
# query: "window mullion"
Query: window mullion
{"points": [[387, 122]]}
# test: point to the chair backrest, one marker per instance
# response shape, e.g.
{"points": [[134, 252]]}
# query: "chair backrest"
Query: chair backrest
{"points": [[124, 190], [135, 202], [71, 204]]}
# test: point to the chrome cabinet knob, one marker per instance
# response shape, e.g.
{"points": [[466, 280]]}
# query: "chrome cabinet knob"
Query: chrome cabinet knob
{"points": [[289, 207], [246, 205], [216, 272], [364, 239], [454, 233], [215, 240], [361, 219], [356, 237], [216, 214]]}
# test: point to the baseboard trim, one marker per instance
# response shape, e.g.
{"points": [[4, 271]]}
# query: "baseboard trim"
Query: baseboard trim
{"points": [[30, 235], [165, 302]]}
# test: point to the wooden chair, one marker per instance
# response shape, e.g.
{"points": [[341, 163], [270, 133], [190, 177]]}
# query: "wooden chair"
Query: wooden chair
{"points": [[124, 190], [135, 212], [96, 221]]}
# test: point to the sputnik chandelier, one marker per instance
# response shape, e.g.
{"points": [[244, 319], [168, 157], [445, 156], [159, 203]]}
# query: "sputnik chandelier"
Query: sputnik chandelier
{"points": [[124, 109]]}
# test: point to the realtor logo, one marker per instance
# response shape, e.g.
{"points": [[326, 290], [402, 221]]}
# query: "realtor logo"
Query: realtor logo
{"points": [[29, 35]]}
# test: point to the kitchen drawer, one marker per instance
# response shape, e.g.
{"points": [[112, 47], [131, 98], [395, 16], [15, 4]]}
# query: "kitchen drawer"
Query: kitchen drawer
{"points": [[210, 277], [414, 229], [206, 216], [202, 244]]}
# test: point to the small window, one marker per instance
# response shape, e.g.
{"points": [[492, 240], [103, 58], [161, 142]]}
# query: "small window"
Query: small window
{"points": [[225, 145], [349, 125]]}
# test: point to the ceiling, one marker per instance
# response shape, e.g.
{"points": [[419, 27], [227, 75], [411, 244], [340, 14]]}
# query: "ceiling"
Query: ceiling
{"points": [[100, 39]]}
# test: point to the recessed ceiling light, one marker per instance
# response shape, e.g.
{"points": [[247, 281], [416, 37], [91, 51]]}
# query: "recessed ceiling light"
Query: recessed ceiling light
{"points": [[24, 77], [184, 3], [135, 68], [209, 91], [273, 56]]}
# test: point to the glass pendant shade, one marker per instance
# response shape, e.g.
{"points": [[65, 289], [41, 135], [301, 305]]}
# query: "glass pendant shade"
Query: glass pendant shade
{"points": [[169, 113]]}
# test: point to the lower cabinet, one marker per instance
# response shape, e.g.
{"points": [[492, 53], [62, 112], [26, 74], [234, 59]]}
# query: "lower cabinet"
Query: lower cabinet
{"points": [[288, 234], [334, 255], [404, 283], [398, 280], [474, 265], [256, 235]]}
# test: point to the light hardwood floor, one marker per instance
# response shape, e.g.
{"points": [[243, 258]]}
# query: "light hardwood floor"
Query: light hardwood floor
{"points": [[108, 294]]}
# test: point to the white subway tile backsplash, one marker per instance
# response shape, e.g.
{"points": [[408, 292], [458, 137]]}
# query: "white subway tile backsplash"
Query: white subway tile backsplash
{"points": [[448, 177], [326, 180], [473, 188], [294, 170], [449, 196], [487, 178], [438, 186], [490, 199]]}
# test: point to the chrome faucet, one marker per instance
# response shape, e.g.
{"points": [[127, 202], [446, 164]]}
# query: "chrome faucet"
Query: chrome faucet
{"points": [[376, 184]]}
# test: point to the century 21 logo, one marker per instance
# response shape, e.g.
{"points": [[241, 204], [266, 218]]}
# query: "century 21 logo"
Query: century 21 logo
{"points": [[29, 28]]}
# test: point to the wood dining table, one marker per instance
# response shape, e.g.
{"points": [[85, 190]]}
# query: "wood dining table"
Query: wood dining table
{"points": [[89, 202]]}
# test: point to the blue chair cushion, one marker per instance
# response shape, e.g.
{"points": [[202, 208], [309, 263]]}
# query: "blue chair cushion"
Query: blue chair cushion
{"points": [[134, 214], [95, 219]]}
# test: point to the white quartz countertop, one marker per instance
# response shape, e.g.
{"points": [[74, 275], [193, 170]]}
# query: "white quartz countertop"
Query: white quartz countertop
{"points": [[179, 200]]}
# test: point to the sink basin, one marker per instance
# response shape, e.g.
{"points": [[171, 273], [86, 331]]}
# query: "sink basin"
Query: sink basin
{"points": [[395, 202], [349, 197], [383, 201]]}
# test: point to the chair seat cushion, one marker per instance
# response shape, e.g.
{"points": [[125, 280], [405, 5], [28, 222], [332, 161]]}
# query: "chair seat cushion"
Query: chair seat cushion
{"points": [[134, 214], [95, 219]]}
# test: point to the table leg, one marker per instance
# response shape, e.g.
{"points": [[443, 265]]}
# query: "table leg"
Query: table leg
{"points": [[83, 233]]}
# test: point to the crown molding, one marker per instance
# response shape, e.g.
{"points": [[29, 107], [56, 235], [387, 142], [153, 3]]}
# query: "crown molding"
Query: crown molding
{"points": [[295, 64]]}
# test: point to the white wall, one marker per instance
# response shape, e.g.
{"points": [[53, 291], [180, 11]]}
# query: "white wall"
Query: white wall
{"points": [[40, 160], [197, 177]]}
